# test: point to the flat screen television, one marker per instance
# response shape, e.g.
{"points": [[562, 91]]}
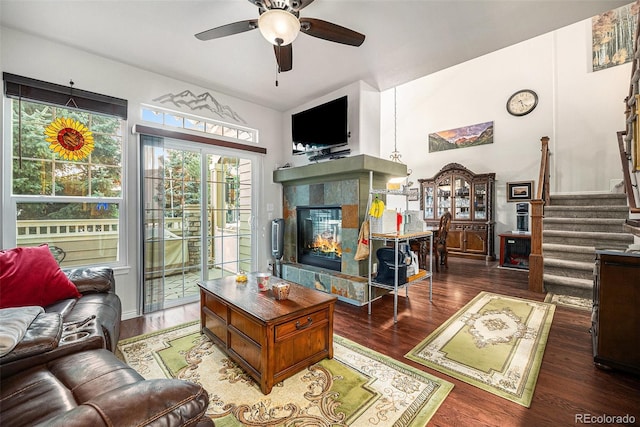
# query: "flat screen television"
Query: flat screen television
{"points": [[320, 128]]}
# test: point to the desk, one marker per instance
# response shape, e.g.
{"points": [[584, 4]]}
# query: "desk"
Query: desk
{"points": [[270, 339]]}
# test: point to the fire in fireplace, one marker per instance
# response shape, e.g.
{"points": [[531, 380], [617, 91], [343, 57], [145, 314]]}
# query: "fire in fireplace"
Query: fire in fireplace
{"points": [[320, 236]]}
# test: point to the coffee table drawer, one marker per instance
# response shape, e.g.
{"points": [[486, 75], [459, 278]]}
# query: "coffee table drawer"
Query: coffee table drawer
{"points": [[215, 305], [307, 321]]}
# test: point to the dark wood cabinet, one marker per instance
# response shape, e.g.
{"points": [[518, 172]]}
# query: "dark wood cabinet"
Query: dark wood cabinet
{"points": [[615, 328], [469, 198]]}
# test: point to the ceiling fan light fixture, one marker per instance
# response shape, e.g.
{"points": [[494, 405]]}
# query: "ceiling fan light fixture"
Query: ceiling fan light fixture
{"points": [[278, 26]]}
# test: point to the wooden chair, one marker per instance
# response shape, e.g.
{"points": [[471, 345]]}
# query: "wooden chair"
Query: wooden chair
{"points": [[442, 256]]}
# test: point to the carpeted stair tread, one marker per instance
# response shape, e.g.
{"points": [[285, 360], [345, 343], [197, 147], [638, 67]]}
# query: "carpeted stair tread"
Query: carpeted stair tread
{"points": [[574, 226], [569, 248], [575, 265], [589, 199], [568, 281], [605, 221], [595, 235]]}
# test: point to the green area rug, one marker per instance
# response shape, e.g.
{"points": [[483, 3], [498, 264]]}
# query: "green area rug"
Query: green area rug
{"points": [[358, 387], [495, 343]]}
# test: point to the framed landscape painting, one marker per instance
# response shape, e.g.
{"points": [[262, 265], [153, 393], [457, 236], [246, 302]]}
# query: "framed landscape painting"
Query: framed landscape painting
{"points": [[468, 136], [612, 35], [519, 191]]}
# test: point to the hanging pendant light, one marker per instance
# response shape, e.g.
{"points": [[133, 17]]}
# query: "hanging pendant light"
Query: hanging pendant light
{"points": [[395, 154]]}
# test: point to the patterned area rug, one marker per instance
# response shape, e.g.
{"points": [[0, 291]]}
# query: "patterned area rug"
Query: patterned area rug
{"points": [[569, 301], [358, 387], [495, 343]]}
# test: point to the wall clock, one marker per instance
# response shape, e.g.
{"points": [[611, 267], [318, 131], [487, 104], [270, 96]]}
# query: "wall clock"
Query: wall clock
{"points": [[522, 102]]}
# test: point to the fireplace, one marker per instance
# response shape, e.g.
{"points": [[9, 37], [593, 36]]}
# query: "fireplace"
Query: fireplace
{"points": [[320, 236]]}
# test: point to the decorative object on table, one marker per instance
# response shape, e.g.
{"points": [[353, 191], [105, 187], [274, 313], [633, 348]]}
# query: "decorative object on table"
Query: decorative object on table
{"points": [[241, 277], [612, 35], [69, 138], [357, 387], [362, 250], [495, 343], [467, 136], [280, 291], [522, 102], [519, 191], [263, 281]]}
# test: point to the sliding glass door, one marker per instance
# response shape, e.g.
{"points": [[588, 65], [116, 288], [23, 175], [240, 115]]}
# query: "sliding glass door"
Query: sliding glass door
{"points": [[197, 218]]}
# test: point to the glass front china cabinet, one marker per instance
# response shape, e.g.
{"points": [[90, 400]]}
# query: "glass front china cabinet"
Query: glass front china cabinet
{"points": [[469, 198]]}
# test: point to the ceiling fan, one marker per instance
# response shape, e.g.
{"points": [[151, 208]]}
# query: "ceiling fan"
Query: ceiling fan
{"points": [[280, 22]]}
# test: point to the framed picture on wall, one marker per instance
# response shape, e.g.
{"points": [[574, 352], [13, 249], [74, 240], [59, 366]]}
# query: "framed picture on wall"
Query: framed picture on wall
{"points": [[414, 194], [519, 191]]}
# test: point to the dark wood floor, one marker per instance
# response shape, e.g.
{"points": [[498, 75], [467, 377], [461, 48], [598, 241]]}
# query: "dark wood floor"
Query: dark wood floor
{"points": [[568, 384]]}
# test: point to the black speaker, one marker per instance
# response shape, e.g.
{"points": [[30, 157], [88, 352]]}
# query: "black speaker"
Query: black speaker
{"points": [[277, 238]]}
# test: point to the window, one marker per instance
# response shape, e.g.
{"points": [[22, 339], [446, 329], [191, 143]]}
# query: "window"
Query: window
{"points": [[199, 124], [72, 203]]}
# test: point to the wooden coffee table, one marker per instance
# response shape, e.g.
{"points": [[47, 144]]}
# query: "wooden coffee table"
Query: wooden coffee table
{"points": [[271, 340]]}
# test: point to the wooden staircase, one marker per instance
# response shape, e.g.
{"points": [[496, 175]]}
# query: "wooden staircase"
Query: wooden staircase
{"points": [[574, 226]]}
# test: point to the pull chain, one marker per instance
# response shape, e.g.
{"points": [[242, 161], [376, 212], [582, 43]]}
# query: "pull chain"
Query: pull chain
{"points": [[279, 58]]}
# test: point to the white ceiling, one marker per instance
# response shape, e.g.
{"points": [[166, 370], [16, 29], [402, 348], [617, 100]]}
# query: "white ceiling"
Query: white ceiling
{"points": [[404, 39]]}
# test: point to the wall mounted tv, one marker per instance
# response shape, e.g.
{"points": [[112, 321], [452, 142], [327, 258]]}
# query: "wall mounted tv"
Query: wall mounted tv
{"points": [[320, 128]]}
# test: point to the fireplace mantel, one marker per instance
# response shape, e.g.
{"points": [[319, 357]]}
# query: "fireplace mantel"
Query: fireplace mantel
{"points": [[339, 169], [340, 182]]}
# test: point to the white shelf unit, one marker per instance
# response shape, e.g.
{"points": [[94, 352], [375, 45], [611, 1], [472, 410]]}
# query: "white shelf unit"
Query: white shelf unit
{"points": [[397, 238]]}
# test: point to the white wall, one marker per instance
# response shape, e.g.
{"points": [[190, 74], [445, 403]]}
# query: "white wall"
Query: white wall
{"points": [[363, 121], [579, 110], [41, 59]]}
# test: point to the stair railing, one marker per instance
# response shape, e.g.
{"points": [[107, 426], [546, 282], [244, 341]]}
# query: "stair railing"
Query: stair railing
{"points": [[628, 185], [536, 265], [628, 139]]}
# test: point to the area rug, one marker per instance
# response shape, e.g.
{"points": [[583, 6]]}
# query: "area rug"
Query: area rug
{"points": [[358, 387], [495, 343], [569, 301]]}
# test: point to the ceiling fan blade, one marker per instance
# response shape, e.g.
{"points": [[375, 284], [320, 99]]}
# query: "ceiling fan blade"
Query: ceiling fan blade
{"points": [[298, 5], [284, 56], [332, 32], [228, 30]]}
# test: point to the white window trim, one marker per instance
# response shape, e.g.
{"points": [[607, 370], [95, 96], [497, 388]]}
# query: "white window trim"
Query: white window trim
{"points": [[8, 227]]}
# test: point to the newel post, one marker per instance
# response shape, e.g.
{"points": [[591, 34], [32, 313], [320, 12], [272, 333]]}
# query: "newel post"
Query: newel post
{"points": [[536, 267]]}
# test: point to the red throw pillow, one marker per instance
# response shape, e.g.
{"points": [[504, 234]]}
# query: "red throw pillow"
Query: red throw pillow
{"points": [[31, 276]]}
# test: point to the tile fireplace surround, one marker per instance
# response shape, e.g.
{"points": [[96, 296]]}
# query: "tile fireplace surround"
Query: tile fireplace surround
{"points": [[340, 182]]}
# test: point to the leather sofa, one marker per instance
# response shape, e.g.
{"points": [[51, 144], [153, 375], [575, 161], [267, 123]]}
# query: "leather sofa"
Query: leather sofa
{"points": [[70, 325], [95, 388], [63, 370], [98, 288]]}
